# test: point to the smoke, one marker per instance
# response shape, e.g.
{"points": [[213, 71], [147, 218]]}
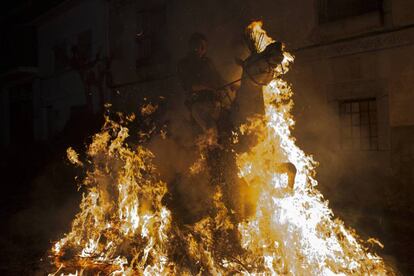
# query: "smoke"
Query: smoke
{"points": [[175, 152], [352, 181]]}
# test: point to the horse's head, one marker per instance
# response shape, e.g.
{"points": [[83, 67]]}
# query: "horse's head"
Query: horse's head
{"points": [[260, 67]]}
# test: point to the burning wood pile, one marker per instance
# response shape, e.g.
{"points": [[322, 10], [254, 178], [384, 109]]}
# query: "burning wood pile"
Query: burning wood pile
{"points": [[124, 226]]}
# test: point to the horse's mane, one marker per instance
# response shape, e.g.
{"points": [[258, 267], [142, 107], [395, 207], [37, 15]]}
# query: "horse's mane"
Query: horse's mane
{"points": [[256, 38]]}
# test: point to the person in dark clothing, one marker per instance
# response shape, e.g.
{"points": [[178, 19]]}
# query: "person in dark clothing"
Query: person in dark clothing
{"points": [[201, 82], [204, 91]]}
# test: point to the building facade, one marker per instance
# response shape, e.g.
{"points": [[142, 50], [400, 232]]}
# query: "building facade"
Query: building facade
{"points": [[351, 76], [73, 53], [68, 79]]}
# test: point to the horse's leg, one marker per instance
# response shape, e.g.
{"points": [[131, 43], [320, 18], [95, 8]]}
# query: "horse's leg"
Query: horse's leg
{"points": [[290, 170]]}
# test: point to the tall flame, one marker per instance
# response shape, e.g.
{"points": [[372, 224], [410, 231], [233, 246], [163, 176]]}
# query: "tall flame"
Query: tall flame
{"points": [[123, 227], [296, 233]]}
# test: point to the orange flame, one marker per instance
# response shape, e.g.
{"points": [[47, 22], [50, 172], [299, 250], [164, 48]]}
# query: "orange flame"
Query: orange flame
{"points": [[124, 229]]}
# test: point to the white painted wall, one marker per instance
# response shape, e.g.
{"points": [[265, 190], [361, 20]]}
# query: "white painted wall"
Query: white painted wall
{"points": [[64, 90]]}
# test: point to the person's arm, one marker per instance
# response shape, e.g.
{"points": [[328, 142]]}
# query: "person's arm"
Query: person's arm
{"points": [[217, 78]]}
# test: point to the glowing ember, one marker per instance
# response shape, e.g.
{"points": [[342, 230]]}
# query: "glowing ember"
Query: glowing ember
{"points": [[124, 228], [73, 157]]}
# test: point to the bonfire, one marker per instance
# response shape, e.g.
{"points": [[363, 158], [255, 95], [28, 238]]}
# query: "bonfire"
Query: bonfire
{"points": [[125, 228]]}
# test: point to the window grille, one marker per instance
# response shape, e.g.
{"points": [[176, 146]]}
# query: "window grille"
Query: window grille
{"points": [[359, 124]]}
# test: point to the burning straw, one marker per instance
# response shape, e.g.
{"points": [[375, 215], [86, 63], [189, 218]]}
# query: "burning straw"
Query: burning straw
{"points": [[124, 228]]}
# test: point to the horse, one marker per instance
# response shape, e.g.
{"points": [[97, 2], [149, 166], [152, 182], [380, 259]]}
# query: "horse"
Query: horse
{"points": [[258, 71]]}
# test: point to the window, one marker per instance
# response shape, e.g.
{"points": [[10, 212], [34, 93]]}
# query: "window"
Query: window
{"points": [[359, 124], [332, 10]]}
